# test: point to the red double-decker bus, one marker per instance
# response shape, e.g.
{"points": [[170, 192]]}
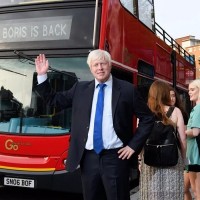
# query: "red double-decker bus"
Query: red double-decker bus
{"points": [[34, 138]]}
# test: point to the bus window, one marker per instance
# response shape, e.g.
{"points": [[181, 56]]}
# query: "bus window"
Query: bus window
{"points": [[130, 5], [146, 13], [10, 107], [146, 69], [143, 9], [19, 100], [122, 74]]}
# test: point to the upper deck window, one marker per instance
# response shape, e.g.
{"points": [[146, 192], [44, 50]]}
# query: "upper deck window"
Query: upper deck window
{"points": [[142, 9], [129, 5], [146, 13]]}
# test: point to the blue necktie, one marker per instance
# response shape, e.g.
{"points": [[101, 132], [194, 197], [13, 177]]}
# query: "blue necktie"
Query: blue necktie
{"points": [[97, 138]]}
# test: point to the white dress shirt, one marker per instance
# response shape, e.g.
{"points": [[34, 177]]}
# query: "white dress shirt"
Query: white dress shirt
{"points": [[110, 139], [41, 78]]}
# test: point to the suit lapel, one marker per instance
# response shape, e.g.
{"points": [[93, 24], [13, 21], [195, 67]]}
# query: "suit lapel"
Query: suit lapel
{"points": [[87, 98], [115, 95]]}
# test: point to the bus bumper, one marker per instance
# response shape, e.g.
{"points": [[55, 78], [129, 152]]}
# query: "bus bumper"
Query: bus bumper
{"points": [[58, 180]]}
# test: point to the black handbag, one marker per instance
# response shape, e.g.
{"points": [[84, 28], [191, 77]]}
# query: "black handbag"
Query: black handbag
{"points": [[161, 148]]}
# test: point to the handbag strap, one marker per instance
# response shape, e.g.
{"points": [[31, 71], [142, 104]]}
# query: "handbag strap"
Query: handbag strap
{"points": [[170, 111]]}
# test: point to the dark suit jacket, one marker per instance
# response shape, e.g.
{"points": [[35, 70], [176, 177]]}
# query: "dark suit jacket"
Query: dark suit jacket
{"points": [[126, 102]]}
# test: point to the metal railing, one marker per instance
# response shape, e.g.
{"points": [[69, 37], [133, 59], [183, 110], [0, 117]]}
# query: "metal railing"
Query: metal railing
{"points": [[173, 44]]}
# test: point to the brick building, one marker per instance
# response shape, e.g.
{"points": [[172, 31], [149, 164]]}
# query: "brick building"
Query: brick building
{"points": [[192, 45]]}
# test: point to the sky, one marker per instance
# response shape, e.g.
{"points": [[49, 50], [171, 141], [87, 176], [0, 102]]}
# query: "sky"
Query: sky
{"points": [[178, 18]]}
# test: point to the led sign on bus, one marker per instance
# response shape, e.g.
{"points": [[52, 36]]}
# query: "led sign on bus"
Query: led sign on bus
{"points": [[36, 29]]}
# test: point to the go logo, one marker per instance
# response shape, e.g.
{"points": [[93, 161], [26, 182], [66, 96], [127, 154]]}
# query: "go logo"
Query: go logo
{"points": [[10, 145]]}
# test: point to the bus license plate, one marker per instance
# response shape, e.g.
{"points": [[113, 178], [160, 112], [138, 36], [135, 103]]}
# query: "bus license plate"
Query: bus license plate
{"points": [[18, 182]]}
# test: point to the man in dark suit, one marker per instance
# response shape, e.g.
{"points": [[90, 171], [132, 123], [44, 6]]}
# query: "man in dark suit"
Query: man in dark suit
{"points": [[104, 169]]}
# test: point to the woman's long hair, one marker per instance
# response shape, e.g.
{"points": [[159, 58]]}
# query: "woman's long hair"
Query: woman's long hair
{"points": [[179, 104], [158, 98]]}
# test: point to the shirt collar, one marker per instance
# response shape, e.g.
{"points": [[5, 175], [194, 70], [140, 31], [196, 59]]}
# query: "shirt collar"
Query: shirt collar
{"points": [[108, 82]]}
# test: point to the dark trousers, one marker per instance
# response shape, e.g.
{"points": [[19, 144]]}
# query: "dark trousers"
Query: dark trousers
{"points": [[104, 176]]}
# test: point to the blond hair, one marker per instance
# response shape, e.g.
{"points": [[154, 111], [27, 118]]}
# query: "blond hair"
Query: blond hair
{"points": [[196, 83]]}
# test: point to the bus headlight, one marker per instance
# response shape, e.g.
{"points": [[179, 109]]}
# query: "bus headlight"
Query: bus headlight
{"points": [[65, 162]]}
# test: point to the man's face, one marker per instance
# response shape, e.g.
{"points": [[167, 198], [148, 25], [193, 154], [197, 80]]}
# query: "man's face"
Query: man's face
{"points": [[100, 69]]}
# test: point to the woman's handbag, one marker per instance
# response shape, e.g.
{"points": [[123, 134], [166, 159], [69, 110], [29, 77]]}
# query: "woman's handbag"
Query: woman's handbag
{"points": [[161, 148]]}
